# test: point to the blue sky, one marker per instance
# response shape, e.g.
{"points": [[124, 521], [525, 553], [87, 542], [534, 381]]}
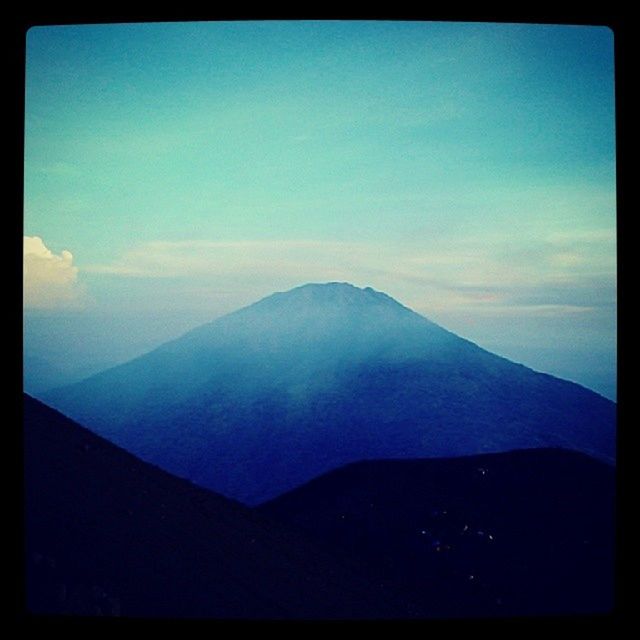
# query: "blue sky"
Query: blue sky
{"points": [[174, 172]]}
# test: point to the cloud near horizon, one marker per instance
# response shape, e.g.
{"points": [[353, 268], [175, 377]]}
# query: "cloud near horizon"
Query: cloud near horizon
{"points": [[481, 274], [50, 281]]}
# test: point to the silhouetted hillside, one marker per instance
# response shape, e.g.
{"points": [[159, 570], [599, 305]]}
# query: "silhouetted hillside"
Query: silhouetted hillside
{"points": [[265, 398], [107, 534], [519, 533]]}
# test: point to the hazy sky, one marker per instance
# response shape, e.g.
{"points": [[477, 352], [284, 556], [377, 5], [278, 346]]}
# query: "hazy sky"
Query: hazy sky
{"points": [[175, 172]]}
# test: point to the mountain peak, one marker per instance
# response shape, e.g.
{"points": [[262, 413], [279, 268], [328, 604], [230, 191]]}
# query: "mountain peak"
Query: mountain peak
{"points": [[332, 293], [262, 399]]}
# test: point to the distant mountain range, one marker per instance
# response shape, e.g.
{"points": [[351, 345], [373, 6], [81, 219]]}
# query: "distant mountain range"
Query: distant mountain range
{"points": [[261, 400], [518, 533]]}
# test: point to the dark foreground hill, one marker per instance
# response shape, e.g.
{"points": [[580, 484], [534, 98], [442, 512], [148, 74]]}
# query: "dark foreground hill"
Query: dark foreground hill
{"points": [[520, 533], [265, 398], [107, 534]]}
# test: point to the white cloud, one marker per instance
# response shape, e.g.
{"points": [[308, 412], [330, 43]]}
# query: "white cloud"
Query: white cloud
{"points": [[50, 280]]}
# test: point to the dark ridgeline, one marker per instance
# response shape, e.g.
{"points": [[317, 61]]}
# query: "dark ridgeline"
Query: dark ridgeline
{"points": [[107, 534], [524, 533], [261, 400]]}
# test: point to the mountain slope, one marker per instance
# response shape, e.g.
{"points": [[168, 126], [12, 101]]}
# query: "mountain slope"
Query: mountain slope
{"points": [[107, 534], [518, 533], [267, 397]]}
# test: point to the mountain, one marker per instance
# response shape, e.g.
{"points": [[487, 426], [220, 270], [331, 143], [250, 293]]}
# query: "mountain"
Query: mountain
{"points": [[301, 382], [108, 534], [523, 533]]}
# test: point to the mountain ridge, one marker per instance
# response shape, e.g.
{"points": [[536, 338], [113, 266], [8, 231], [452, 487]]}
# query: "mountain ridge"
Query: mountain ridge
{"points": [[514, 533], [526, 532], [109, 534]]}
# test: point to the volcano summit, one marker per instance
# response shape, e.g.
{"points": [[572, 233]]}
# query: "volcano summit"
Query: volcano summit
{"points": [[265, 398]]}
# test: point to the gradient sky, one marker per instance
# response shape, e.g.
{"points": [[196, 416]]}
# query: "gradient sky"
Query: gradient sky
{"points": [[174, 172]]}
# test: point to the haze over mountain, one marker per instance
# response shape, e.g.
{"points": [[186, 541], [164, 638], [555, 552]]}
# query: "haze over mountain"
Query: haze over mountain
{"points": [[265, 398]]}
